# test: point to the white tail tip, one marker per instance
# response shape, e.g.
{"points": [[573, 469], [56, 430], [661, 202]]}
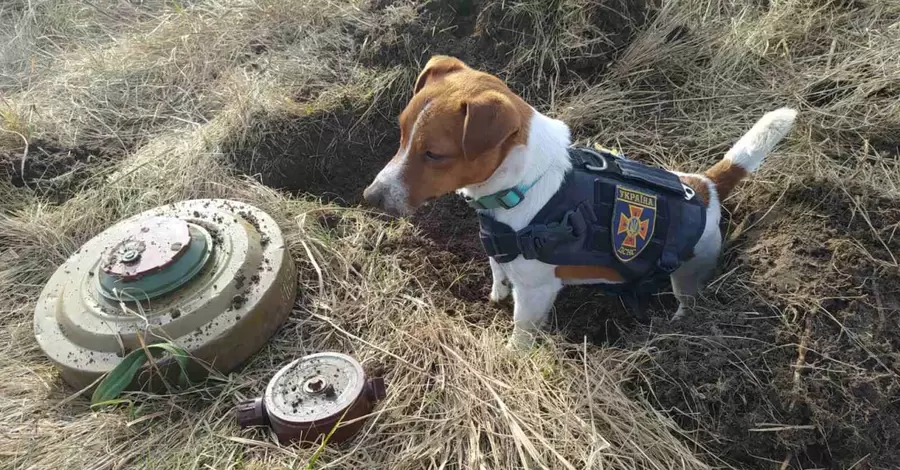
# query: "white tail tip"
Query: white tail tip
{"points": [[750, 151]]}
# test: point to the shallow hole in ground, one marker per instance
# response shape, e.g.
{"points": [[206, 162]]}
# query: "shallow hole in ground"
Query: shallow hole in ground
{"points": [[55, 172], [317, 156], [321, 154]]}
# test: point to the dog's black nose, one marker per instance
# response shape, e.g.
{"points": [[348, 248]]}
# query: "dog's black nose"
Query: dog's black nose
{"points": [[374, 195]]}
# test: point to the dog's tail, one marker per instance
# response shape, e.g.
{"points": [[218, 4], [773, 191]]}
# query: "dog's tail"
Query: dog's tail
{"points": [[748, 153]]}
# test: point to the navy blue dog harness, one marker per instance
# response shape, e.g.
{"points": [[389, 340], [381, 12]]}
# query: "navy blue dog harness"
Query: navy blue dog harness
{"points": [[610, 211]]}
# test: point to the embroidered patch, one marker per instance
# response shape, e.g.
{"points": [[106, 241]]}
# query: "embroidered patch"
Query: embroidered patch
{"points": [[633, 221]]}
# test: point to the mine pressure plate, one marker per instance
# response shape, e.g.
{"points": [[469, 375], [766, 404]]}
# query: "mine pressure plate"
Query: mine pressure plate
{"points": [[212, 276], [311, 396]]}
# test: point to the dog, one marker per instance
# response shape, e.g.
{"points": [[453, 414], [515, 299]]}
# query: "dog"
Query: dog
{"points": [[464, 130]]}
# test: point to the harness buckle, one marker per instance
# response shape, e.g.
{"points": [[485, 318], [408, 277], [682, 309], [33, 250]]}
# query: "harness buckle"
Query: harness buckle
{"points": [[491, 246], [501, 197], [689, 192]]}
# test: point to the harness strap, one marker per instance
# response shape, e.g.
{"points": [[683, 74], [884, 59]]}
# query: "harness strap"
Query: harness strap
{"points": [[606, 161], [668, 260], [499, 240], [504, 244]]}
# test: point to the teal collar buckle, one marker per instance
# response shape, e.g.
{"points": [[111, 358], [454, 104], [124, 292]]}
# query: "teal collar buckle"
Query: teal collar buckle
{"points": [[505, 199]]}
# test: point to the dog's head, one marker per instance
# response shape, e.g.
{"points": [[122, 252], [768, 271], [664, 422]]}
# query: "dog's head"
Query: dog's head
{"points": [[455, 131]]}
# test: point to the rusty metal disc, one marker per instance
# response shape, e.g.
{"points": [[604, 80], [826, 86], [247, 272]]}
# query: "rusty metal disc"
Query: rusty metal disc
{"points": [[312, 396], [148, 245], [157, 256], [314, 388], [220, 295]]}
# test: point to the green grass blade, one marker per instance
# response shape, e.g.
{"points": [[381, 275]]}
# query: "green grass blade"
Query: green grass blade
{"points": [[118, 379]]}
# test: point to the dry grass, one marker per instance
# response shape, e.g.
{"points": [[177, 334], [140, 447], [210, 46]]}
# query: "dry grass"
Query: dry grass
{"points": [[455, 392], [181, 89]]}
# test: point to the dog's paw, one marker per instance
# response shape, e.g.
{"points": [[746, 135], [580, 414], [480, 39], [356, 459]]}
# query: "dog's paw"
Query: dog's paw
{"points": [[520, 342], [519, 347], [499, 292], [679, 315]]}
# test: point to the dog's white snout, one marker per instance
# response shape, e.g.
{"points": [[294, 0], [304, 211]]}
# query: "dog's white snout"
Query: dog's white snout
{"points": [[387, 192], [374, 194]]}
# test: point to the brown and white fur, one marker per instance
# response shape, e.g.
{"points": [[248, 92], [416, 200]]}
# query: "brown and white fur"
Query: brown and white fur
{"points": [[466, 131]]}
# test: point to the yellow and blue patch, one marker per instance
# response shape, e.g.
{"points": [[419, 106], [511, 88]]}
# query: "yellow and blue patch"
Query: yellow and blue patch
{"points": [[633, 221]]}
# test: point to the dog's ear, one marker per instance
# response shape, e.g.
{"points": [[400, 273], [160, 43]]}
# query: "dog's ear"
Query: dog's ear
{"points": [[491, 118], [438, 67]]}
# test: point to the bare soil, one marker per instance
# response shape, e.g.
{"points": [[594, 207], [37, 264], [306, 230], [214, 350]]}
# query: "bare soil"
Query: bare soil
{"points": [[56, 172]]}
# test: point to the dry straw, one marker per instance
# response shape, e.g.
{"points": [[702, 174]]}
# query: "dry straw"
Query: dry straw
{"points": [[174, 87]]}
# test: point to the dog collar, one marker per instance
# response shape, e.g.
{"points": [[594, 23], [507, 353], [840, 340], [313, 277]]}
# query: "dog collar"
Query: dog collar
{"points": [[512, 197], [505, 199]]}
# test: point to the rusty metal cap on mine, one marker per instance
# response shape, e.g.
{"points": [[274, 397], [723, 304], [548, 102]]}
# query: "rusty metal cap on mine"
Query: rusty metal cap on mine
{"points": [[148, 245], [157, 255]]}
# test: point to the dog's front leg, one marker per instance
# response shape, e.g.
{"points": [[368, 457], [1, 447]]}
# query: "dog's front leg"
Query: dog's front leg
{"points": [[500, 286], [532, 306]]}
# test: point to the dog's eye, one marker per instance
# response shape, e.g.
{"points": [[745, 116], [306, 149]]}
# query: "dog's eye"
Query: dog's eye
{"points": [[433, 157]]}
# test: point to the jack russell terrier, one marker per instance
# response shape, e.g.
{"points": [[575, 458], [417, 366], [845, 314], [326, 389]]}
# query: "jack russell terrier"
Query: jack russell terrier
{"points": [[553, 215]]}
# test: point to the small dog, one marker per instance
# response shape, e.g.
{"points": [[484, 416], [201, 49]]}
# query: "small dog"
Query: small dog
{"points": [[464, 130]]}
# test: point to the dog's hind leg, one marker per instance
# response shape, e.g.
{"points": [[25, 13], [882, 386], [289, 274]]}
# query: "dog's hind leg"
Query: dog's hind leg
{"points": [[743, 158]]}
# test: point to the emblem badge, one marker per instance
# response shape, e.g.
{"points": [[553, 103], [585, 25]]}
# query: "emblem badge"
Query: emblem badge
{"points": [[633, 220]]}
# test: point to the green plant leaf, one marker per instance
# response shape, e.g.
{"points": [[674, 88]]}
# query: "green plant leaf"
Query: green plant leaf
{"points": [[118, 379], [180, 355]]}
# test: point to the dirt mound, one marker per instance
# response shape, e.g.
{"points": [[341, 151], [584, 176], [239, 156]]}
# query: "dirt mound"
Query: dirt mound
{"points": [[341, 142], [54, 171], [536, 46], [797, 353]]}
